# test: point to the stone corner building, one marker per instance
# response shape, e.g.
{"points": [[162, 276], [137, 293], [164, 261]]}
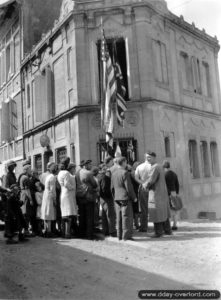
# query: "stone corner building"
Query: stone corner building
{"points": [[173, 93]]}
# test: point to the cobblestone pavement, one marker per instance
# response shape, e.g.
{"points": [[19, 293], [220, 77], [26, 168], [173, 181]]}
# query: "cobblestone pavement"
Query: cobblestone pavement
{"points": [[111, 269]]}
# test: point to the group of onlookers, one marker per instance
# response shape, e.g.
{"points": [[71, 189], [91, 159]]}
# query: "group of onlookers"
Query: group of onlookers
{"points": [[69, 203]]}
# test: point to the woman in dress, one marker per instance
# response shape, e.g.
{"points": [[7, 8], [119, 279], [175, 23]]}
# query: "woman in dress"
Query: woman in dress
{"points": [[48, 208], [67, 197]]}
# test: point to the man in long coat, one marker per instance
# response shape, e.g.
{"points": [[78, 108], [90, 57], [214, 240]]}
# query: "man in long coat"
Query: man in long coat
{"points": [[159, 211]]}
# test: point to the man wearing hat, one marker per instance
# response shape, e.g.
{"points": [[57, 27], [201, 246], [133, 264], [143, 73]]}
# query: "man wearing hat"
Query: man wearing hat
{"points": [[159, 211], [86, 197], [10, 178]]}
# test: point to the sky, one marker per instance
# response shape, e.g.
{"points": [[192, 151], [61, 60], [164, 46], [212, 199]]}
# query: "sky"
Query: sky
{"points": [[204, 13]]}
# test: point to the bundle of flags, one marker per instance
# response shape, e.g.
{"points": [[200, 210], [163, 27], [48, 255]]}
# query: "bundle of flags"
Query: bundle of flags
{"points": [[113, 92]]}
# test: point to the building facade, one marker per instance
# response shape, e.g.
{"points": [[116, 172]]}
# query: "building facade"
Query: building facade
{"points": [[173, 93], [22, 24]]}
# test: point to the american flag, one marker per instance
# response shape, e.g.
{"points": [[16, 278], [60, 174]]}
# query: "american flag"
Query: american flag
{"points": [[109, 92], [121, 106]]}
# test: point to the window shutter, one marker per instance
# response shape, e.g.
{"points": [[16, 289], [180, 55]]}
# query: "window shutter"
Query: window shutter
{"points": [[43, 96], [13, 119], [5, 125], [49, 94], [40, 98]]}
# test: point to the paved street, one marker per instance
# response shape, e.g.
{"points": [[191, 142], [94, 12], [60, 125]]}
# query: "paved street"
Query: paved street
{"points": [[112, 270]]}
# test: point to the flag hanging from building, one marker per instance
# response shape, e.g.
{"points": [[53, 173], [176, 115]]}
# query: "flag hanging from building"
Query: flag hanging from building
{"points": [[121, 106], [108, 93]]}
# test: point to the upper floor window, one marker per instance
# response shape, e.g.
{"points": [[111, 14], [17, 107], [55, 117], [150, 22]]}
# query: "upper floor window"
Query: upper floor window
{"points": [[70, 63], [207, 83], [205, 159], [120, 51], [28, 96], [16, 52], [214, 159], [187, 77], [8, 62], [160, 61], [196, 75], [193, 158]]}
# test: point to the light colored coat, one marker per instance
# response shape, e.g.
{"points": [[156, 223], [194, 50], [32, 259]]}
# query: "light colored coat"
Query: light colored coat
{"points": [[158, 206], [48, 210], [68, 193]]}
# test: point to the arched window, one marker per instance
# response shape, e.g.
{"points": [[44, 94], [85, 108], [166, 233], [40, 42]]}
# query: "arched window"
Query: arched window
{"points": [[193, 158], [214, 159], [167, 146]]}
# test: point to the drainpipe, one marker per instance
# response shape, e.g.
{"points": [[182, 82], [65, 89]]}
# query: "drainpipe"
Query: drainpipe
{"points": [[21, 75]]}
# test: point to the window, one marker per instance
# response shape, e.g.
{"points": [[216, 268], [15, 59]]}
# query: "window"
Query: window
{"points": [[38, 163], [160, 61], [196, 75], [214, 159], [8, 62], [121, 57], [204, 159], [28, 96], [16, 52], [60, 154], [187, 77], [59, 86], [193, 158], [70, 63], [127, 147], [167, 146], [0, 69], [207, 83]]}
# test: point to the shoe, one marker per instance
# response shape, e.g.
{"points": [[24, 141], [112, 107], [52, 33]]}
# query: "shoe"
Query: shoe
{"points": [[168, 233], [11, 242], [22, 238], [142, 230], [174, 228], [156, 236], [129, 239], [114, 234]]}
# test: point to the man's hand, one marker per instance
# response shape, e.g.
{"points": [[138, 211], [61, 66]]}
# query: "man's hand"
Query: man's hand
{"points": [[135, 200]]}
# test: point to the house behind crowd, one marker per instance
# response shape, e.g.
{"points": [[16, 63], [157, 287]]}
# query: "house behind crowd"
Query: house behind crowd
{"points": [[50, 86]]}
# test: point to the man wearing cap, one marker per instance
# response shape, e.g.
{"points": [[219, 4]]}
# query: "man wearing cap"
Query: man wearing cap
{"points": [[159, 211], [10, 178], [86, 197], [141, 175]]}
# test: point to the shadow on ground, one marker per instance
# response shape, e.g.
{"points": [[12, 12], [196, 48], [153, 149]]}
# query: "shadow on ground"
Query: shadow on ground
{"points": [[44, 269]]}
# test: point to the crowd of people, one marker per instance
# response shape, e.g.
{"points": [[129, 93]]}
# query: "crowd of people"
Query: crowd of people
{"points": [[114, 198]]}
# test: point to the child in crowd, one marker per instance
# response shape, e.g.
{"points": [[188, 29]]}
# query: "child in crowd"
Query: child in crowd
{"points": [[38, 197]]}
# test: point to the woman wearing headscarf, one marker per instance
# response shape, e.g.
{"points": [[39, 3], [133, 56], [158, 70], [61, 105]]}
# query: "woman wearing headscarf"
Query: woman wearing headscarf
{"points": [[48, 208], [67, 197]]}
